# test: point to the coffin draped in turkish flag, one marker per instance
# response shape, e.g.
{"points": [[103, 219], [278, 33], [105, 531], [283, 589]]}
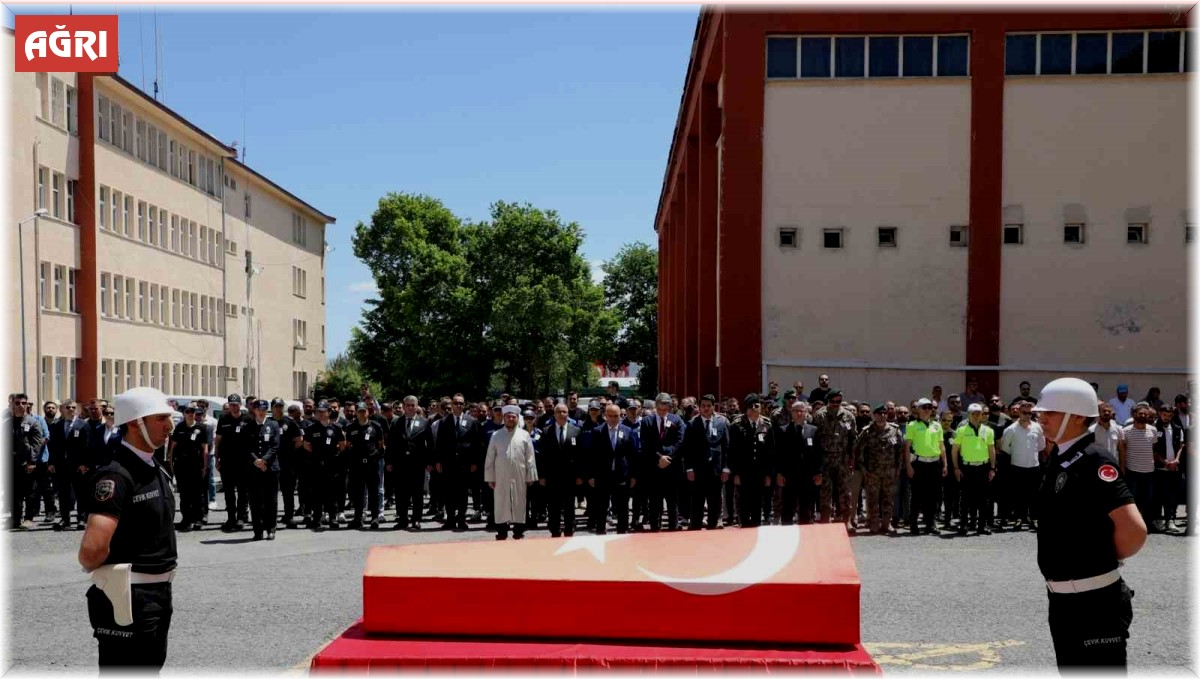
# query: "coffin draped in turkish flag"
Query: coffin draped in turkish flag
{"points": [[792, 585]]}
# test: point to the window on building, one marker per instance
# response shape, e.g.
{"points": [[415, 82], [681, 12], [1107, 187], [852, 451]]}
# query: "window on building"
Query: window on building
{"points": [[788, 237], [831, 239], [162, 158], [102, 117], [953, 55], [60, 371], [41, 95], [247, 205], [185, 303], [152, 221], [127, 131], [129, 308], [322, 338], [47, 375], [56, 187], [191, 168], [1073, 233], [958, 236], [143, 373], [193, 308], [175, 308], [44, 276], [299, 230], [220, 251], [163, 312], [115, 218], [43, 178], [300, 330], [887, 236], [1020, 55], [152, 145], [142, 311], [781, 58], [114, 124], [104, 294], [884, 57], [174, 233], [1055, 53], [1091, 53], [815, 57], [918, 55], [58, 103], [102, 203], [203, 244], [72, 111], [1014, 234], [172, 167], [71, 201], [105, 379], [1128, 54], [162, 228], [1163, 52], [140, 142], [1189, 234], [141, 220], [204, 313], [72, 285], [1189, 51], [1137, 234], [127, 215], [118, 296], [154, 304], [154, 375], [59, 301], [850, 54], [118, 375]]}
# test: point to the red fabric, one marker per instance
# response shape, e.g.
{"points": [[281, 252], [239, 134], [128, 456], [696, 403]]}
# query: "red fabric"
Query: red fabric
{"points": [[355, 650], [812, 599]]}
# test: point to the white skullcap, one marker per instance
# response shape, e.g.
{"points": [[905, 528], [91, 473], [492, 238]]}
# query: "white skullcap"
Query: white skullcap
{"points": [[511, 410]]}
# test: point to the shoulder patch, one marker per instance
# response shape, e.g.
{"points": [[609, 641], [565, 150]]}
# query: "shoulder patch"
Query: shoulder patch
{"points": [[1107, 472], [105, 489]]}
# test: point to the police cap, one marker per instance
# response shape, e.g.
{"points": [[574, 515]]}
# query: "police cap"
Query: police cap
{"points": [[276, 402], [323, 405], [260, 404], [880, 408]]}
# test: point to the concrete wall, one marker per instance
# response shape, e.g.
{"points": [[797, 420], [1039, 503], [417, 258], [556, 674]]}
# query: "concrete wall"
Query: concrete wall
{"points": [[860, 155]]}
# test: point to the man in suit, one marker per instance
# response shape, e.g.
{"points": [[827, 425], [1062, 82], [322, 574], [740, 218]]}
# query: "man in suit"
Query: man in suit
{"points": [[706, 458], [799, 465], [69, 434], [460, 456], [753, 455], [560, 452], [661, 465], [612, 474], [408, 458]]}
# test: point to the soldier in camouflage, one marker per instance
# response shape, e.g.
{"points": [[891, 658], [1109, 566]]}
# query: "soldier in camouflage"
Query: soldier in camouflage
{"points": [[835, 436], [877, 452]]}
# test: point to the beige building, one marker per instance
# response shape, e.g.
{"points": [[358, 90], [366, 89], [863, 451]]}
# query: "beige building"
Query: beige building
{"points": [[207, 277], [903, 200]]}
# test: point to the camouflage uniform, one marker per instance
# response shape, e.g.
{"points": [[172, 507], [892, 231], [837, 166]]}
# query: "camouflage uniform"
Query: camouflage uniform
{"points": [[835, 437], [877, 452]]}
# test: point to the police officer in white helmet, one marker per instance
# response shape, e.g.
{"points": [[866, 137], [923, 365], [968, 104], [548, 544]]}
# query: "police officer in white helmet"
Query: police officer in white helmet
{"points": [[1087, 525], [129, 543]]}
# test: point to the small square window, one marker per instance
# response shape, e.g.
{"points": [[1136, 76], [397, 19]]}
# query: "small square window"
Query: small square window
{"points": [[1137, 234], [958, 236], [787, 238], [832, 238], [1073, 233], [1014, 234], [887, 236], [1189, 233]]}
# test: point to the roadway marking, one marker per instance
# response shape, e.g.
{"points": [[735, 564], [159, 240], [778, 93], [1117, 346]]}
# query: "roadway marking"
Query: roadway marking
{"points": [[982, 656]]}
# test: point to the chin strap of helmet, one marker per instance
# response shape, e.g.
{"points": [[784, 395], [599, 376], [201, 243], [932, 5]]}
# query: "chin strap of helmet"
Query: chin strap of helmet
{"points": [[1062, 428]]}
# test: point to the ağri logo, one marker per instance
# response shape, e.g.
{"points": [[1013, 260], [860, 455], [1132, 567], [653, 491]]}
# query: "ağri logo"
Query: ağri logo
{"points": [[76, 43]]}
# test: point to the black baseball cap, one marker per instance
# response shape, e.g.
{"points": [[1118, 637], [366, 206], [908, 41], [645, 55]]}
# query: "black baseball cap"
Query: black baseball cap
{"points": [[323, 405], [234, 399], [276, 402]]}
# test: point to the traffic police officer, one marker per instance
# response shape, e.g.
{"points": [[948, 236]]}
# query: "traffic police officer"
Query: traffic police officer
{"points": [[262, 474], [231, 443], [974, 455], [188, 454], [925, 465], [1087, 525], [129, 542], [324, 442], [366, 439]]}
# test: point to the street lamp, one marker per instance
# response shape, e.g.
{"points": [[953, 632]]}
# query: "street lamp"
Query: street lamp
{"points": [[41, 212]]}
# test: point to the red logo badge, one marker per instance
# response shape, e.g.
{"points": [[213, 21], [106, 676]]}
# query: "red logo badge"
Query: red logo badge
{"points": [[1107, 473], [76, 44]]}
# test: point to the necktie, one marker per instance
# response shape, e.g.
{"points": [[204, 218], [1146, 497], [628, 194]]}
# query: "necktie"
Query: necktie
{"points": [[410, 426], [562, 435], [708, 426], [661, 433], [612, 437]]}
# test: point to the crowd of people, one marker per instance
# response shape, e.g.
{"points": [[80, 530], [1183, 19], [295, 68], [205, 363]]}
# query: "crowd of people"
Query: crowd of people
{"points": [[961, 462]]}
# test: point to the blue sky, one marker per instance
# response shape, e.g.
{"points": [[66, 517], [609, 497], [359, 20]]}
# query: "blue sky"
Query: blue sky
{"points": [[567, 109]]}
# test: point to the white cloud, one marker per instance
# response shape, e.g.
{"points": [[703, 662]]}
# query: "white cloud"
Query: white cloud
{"points": [[597, 272], [367, 287]]}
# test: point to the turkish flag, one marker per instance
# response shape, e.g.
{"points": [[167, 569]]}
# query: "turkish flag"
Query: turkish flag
{"points": [[773, 584]]}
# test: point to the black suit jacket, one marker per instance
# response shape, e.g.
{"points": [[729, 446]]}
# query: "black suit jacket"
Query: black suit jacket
{"points": [[557, 463], [753, 450], [462, 446], [609, 465], [409, 449], [795, 457], [668, 444], [704, 450]]}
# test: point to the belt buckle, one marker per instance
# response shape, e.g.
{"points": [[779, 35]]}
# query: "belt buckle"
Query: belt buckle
{"points": [[364, 460]]}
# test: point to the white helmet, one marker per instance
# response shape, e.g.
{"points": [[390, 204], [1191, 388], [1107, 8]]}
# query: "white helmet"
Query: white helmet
{"points": [[140, 402], [1069, 395]]}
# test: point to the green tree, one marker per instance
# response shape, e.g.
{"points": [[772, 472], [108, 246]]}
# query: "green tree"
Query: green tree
{"points": [[342, 377], [631, 294]]}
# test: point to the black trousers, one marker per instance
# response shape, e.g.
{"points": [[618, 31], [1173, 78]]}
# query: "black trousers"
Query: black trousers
{"points": [[237, 493], [684, 495], [664, 487], [618, 496], [332, 478], [64, 482], [455, 484], [731, 493], [976, 503], [264, 499], [408, 483], [46, 490], [951, 496], [1003, 488], [641, 503], [308, 489], [1091, 629], [1166, 493], [144, 643], [193, 489], [805, 495], [366, 487], [287, 485], [705, 490], [22, 493], [560, 506], [926, 481], [1022, 491], [751, 492]]}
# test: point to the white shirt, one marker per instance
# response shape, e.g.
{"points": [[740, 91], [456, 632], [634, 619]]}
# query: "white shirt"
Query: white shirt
{"points": [[1123, 410], [1066, 445], [1139, 449], [148, 458], [1169, 440], [1110, 438], [1184, 419], [1023, 444]]}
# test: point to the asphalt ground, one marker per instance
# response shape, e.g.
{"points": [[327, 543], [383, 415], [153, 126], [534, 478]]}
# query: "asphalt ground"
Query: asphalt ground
{"points": [[928, 603]]}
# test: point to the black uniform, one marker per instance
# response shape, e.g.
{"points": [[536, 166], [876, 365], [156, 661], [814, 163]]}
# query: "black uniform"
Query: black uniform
{"points": [[559, 453], [327, 469], [139, 496], [706, 455], [409, 452], [191, 469], [26, 446], [365, 458], [263, 484], [753, 456], [68, 447], [290, 456], [1075, 541], [459, 446], [232, 456], [798, 459], [309, 504]]}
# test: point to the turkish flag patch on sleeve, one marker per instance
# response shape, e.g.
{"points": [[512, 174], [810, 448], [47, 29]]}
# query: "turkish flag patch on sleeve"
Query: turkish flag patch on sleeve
{"points": [[1107, 472]]}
